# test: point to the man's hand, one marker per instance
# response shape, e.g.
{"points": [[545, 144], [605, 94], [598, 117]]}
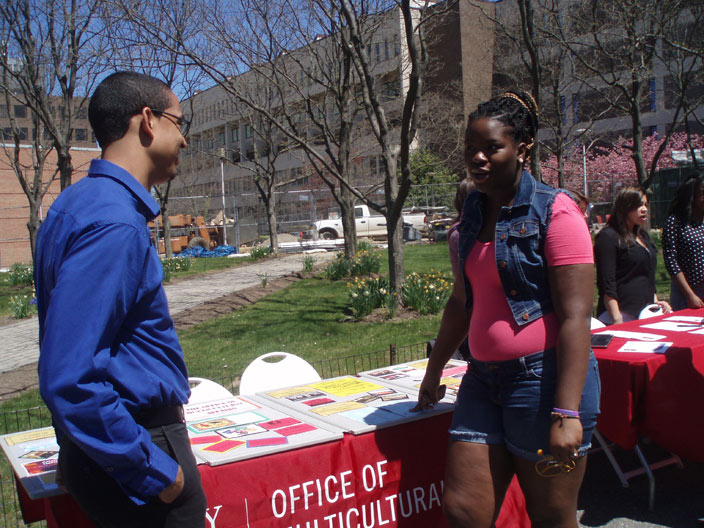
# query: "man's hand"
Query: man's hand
{"points": [[171, 493]]}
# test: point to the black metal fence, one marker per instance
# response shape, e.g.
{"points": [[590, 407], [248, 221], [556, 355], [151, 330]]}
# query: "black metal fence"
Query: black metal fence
{"points": [[36, 417]]}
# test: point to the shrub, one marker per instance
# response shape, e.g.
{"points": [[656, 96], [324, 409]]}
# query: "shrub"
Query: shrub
{"points": [[339, 268], [427, 293], [22, 306], [364, 245], [307, 263], [365, 295], [21, 274], [259, 252], [173, 265], [365, 263]]}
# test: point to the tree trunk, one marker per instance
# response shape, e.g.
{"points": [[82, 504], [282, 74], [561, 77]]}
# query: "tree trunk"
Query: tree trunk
{"points": [[349, 225], [396, 272], [65, 167], [273, 227], [166, 226], [33, 226], [637, 153]]}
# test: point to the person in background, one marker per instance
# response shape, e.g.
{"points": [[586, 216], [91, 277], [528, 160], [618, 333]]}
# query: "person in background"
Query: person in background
{"points": [[528, 403], [683, 244], [111, 369], [584, 204], [626, 259]]}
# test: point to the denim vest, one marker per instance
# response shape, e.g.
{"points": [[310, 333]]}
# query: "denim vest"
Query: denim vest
{"points": [[518, 246]]}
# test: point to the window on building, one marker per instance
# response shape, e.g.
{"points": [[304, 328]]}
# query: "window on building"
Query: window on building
{"points": [[386, 50], [221, 137], [377, 49], [20, 111], [563, 110], [575, 108], [209, 144], [248, 131], [235, 134], [81, 134], [24, 133], [653, 95], [390, 90], [235, 156], [397, 47]]}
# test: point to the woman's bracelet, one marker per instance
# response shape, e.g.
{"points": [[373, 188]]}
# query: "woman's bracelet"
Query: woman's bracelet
{"points": [[566, 413]]}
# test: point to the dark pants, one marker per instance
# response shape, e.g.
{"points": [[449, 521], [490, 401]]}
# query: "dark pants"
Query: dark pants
{"points": [[107, 506]]}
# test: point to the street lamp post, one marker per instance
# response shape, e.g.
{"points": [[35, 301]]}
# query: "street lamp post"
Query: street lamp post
{"points": [[584, 161], [584, 168], [222, 188]]}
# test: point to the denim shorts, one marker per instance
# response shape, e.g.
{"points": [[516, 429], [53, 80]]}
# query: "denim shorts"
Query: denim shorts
{"points": [[509, 403]]}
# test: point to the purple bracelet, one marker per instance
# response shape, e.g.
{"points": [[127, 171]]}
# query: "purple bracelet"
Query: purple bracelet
{"points": [[566, 412]]}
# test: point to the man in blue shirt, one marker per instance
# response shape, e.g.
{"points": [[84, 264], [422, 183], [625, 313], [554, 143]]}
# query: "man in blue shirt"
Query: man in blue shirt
{"points": [[111, 369]]}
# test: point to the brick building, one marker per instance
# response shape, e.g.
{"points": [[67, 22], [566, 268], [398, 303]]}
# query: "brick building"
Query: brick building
{"points": [[14, 208]]}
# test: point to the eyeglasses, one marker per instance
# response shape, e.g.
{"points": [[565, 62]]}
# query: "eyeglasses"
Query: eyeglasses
{"points": [[551, 467], [181, 122]]}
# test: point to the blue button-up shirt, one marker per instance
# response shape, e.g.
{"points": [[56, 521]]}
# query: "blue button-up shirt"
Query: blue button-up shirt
{"points": [[108, 346]]}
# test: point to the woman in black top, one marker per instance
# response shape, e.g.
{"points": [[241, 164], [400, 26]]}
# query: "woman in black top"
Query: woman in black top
{"points": [[625, 259], [683, 244]]}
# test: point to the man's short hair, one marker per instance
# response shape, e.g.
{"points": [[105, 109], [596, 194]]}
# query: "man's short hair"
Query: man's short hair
{"points": [[121, 96]]}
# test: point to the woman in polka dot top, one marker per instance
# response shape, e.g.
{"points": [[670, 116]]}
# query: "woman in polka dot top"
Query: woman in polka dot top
{"points": [[683, 244]]}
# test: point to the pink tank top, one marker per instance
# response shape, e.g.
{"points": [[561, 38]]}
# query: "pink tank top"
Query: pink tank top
{"points": [[494, 335]]}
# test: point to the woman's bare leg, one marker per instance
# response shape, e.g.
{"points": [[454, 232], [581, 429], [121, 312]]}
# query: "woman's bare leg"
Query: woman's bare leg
{"points": [[550, 501], [476, 479]]}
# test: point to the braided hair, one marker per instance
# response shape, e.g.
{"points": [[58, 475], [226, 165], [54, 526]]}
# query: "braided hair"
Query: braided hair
{"points": [[517, 110]]}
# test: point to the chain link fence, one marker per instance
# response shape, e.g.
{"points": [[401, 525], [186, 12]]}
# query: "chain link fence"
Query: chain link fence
{"points": [[245, 215]]}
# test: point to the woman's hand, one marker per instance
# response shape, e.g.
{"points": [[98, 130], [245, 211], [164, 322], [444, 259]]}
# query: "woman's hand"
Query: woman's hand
{"points": [[666, 308], [565, 439], [694, 301], [430, 393]]}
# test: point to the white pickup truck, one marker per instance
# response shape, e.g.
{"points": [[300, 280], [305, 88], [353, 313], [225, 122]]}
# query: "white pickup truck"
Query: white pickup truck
{"points": [[368, 225]]}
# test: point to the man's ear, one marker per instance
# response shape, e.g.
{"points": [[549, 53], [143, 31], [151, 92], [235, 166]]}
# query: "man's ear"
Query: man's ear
{"points": [[148, 122]]}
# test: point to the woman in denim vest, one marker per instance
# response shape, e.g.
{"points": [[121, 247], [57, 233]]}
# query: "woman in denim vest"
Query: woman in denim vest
{"points": [[529, 401]]}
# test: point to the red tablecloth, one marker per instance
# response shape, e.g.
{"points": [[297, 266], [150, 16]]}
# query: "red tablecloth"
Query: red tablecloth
{"points": [[659, 396], [391, 478]]}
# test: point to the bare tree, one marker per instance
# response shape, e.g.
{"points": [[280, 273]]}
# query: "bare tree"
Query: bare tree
{"points": [[131, 49], [27, 156], [615, 46], [57, 38], [395, 142]]}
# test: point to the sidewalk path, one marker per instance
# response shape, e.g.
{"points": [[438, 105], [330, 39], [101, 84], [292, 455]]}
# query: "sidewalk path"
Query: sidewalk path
{"points": [[20, 340]]}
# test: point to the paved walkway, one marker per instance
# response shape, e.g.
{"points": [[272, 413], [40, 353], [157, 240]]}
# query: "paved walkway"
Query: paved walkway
{"points": [[20, 340]]}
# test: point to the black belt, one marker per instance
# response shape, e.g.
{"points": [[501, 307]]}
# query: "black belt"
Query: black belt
{"points": [[152, 418]]}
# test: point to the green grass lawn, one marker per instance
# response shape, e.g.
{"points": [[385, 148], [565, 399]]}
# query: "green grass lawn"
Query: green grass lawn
{"points": [[309, 319]]}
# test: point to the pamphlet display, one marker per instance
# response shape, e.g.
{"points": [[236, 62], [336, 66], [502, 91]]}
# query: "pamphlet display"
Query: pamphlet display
{"points": [[238, 428], [34, 456], [355, 405], [410, 375]]}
